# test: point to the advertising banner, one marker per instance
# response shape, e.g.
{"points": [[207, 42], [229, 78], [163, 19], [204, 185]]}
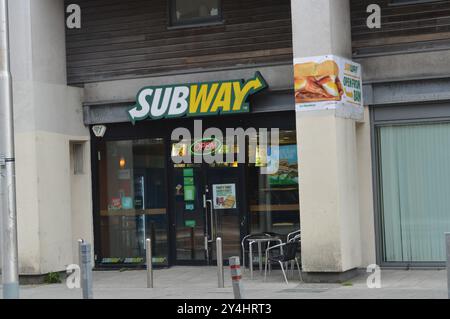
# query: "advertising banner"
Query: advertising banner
{"points": [[287, 173], [224, 196], [328, 82]]}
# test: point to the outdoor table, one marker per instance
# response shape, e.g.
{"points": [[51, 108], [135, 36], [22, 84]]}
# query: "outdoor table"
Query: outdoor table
{"points": [[259, 241]]}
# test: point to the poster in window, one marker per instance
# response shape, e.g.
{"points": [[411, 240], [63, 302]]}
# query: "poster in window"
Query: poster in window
{"points": [[127, 202], [189, 193], [287, 163], [224, 196]]}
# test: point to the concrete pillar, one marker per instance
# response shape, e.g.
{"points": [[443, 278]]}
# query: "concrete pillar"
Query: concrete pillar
{"points": [[327, 145], [54, 207]]}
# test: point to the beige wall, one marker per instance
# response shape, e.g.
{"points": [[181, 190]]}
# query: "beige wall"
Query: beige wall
{"points": [[329, 193], [337, 212], [26, 185], [53, 206], [336, 206], [318, 194], [348, 194], [365, 185], [321, 27], [81, 200]]}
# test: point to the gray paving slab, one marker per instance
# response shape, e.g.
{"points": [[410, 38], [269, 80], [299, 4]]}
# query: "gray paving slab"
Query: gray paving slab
{"points": [[201, 283]]}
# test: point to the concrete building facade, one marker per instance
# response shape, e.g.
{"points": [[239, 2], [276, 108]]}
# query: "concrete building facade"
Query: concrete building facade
{"points": [[352, 200]]}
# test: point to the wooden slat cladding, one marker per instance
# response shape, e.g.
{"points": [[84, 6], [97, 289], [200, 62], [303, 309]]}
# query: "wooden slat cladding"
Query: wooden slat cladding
{"points": [[126, 39], [405, 27]]}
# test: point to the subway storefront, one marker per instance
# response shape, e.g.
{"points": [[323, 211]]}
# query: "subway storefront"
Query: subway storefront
{"points": [[172, 173]]}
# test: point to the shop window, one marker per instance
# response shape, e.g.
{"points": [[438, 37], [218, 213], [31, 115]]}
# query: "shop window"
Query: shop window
{"points": [[414, 186], [133, 204], [195, 12], [274, 199]]}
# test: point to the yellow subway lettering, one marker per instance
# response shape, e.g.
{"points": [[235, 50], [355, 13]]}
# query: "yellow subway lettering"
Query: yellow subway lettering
{"points": [[223, 99], [194, 99]]}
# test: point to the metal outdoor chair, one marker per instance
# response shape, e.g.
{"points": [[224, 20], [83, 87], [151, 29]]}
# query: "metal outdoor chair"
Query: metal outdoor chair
{"points": [[295, 238], [287, 253], [292, 235], [272, 234], [246, 241]]}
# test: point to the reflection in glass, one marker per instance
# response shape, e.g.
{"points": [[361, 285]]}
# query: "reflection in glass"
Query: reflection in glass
{"points": [[274, 199], [189, 212], [195, 11], [133, 201]]}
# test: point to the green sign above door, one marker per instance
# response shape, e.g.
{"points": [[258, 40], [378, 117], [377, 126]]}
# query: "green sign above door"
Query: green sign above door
{"points": [[196, 99]]}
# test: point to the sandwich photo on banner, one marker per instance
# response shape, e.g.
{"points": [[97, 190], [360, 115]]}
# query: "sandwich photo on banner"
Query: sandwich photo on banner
{"points": [[316, 82], [328, 82]]}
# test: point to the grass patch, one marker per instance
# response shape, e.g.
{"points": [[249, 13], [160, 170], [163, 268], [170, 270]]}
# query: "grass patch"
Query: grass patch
{"points": [[52, 278], [347, 284]]}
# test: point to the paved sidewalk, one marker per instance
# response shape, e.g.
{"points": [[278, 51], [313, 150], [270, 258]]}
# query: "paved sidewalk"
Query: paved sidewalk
{"points": [[201, 283]]}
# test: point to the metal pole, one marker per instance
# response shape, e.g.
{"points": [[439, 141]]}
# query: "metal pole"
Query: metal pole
{"points": [[86, 271], [236, 277], [219, 262], [10, 272], [80, 262], [250, 258], [148, 254], [80, 241], [447, 242], [192, 243]]}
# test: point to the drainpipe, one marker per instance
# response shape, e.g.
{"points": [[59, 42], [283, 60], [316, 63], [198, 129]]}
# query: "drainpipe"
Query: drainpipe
{"points": [[10, 275]]}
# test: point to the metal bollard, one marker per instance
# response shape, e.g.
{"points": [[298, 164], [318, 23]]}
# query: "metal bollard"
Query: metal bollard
{"points": [[148, 254], [219, 262], [192, 243], [86, 270], [236, 277], [447, 242], [80, 241]]}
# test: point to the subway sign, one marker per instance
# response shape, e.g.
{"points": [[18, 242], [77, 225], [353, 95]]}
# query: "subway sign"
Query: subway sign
{"points": [[196, 99]]}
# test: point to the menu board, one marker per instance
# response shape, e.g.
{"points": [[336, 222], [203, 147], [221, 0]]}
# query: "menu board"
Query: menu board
{"points": [[224, 196]]}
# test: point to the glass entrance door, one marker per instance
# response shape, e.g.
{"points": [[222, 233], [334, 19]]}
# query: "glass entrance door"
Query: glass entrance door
{"points": [[132, 202], [208, 204], [189, 214], [225, 217]]}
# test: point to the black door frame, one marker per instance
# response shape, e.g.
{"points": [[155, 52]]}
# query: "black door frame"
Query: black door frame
{"points": [[284, 120], [242, 213]]}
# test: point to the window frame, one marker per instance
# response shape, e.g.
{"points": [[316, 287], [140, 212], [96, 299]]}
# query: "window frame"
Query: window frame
{"points": [[196, 22], [409, 2], [78, 157], [397, 114]]}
